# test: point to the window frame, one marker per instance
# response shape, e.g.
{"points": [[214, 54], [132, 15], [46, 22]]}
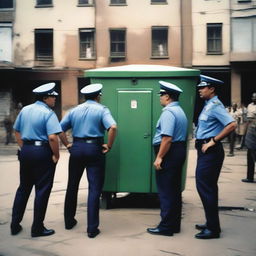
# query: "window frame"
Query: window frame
{"points": [[160, 2], [166, 52], [93, 32], [118, 56], [39, 57], [90, 3], [8, 8], [42, 5], [214, 39], [117, 4]]}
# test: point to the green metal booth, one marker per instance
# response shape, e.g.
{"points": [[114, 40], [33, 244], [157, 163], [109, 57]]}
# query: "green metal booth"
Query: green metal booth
{"points": [[130, 92]]}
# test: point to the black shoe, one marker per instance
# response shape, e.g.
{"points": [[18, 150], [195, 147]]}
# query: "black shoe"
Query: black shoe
{"points": [[93, 234], [207, 234], [70, 224], [44, 232], [175, 230], [15, 229], [248, 180], [200, 226], [158, 231]]}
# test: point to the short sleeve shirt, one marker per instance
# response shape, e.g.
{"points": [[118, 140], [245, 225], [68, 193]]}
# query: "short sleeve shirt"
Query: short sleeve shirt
{"points": [[172, 122], [89, 119], [212, 120], [36, 122]]}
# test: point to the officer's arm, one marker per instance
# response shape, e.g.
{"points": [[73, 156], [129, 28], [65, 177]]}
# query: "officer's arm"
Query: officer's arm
{"points": [[111, 138], [18, 138], [64, 140], [54, 144], [164, 147], [225, 132]]}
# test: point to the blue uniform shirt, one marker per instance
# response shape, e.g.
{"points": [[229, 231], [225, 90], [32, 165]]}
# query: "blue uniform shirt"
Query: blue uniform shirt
{"points": [[36, 121], [212, 120], [89, 119], [172, 122]]}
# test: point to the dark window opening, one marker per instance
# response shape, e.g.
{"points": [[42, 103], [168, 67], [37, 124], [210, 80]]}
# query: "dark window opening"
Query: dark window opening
{"points": [[44, 44]]}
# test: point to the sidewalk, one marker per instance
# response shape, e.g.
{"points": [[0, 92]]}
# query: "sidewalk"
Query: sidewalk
{"points": [[123, 229]]}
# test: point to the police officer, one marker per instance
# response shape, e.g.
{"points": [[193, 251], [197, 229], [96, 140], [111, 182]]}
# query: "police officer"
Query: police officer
{"points": [[214, 124], [170, 149], [36, 129], [88, 122]]}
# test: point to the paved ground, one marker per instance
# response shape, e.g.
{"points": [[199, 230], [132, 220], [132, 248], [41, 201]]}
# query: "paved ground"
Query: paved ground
{"points": [[123, 228]]}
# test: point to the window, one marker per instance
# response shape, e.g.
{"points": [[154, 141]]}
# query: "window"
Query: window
{"points": [[159, 41], [117, 43], [158, 1], [6, 42], [44, 2], [118, 2], [44, 44], [87, 43], [4, 4], [214, 38], [85, 2]]}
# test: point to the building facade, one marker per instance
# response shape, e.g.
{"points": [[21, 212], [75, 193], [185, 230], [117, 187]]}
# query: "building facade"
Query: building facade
{"points": [[56, 40]]}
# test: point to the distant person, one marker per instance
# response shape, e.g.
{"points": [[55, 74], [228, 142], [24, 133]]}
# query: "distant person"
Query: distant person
{"points": [[250, 139], [8, 129], [36, 129], [170, 150], [241, 129], [233, 111], [214, 124]]}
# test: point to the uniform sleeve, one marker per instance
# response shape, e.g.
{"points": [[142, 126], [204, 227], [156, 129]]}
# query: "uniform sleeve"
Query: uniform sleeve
{"points": [[220, 113], [167, 123], [66, 122], [107, 119], [17, 123], [53, 125]]}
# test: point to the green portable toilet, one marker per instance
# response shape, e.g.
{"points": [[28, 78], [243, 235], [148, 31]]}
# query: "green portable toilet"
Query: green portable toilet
{"points": [[130, 92]]}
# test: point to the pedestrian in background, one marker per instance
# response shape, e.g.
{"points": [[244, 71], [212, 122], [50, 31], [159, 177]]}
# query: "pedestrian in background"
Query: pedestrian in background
{"points": [[8, 123], [88, 122], [242, 123], [234, 112], [36, 129], [250, 139], [170, 150], [214, 124]]}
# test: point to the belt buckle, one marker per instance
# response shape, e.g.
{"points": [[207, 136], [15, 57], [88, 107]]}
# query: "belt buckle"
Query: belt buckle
{"points": [[38, 143]]}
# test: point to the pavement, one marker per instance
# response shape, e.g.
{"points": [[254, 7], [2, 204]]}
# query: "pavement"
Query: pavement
{"points": [[123, 228]]}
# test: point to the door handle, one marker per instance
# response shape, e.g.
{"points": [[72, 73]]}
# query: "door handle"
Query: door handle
{"points": [[146, 135]]}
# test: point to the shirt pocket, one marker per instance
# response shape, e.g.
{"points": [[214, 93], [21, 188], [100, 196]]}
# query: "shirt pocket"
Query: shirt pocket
{"points": [[204, 117]]}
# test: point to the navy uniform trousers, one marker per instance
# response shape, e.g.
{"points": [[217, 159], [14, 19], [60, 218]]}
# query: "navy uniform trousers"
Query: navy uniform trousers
{"points": [[208, 169], [36, 168], [85, 155], [168, 182]]}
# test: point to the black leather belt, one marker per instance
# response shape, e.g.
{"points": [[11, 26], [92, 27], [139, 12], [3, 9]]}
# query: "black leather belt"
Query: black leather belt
{"points": [[203, 141], [90, 140], [36, 142]]}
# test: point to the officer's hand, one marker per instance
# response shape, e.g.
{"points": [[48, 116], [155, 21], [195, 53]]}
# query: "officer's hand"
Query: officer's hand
{"points": [[105, 148], [157, 163], [69, 147], [55, 159], [207, 145]]}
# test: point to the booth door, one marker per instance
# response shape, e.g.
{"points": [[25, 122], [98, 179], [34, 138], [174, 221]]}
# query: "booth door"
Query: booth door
{"points": [[134, 132]]}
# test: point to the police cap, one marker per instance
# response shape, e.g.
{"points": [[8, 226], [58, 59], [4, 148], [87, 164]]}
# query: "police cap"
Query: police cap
{"points": [[166, 87], [46, 89], [91, 89], [209, 81]]}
